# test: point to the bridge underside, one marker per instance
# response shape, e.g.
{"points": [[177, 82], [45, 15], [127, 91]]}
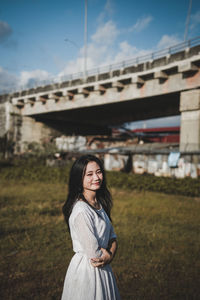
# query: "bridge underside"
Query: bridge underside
{"points": [[99, 119]]}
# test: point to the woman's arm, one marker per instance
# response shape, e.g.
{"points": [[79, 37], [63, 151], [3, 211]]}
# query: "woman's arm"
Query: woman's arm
{"points": [[84, 228], [107, 256], [112, 248]]}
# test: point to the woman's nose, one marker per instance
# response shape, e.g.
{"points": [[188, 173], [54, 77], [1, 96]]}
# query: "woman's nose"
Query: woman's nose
{"points": [[96, 176]]}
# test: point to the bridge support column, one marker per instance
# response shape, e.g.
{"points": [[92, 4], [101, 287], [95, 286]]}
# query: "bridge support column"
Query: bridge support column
{"points": [[32, 131], [190, 120]]}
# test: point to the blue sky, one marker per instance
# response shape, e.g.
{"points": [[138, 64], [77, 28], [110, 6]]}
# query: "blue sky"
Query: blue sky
{"points": [[42, 39]]}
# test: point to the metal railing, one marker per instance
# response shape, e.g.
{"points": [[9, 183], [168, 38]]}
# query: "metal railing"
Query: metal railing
{"points": [[136, 60], [115, 66]]}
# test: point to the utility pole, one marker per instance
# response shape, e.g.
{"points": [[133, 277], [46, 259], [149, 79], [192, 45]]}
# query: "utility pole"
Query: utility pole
{"points": [[187, 21], [85, 42]]}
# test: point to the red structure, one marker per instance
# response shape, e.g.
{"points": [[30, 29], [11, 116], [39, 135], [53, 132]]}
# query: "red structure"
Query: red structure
{"points": [[159, 135]]}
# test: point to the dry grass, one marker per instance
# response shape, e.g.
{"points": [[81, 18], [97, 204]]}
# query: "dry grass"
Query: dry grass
{"points": [[158, 255]]}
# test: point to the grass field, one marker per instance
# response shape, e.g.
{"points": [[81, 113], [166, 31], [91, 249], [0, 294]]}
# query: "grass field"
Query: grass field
{"points": [[159, 243]]}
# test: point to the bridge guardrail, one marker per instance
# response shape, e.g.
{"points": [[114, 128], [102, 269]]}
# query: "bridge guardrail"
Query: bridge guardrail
{"points": [[140, 59], [120, 65]]}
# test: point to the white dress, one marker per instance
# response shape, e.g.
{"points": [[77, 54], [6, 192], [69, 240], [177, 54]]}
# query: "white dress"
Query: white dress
{"points": [[90, 230]]}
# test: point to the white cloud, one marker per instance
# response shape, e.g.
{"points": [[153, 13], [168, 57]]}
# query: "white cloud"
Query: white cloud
{"points": [[99, 52], [107, 11], [104, 50], [105, 34], [168, 41], [141, 24], [126, 51], [109, 7], [31, 78], [102, 55], [75, 66], [8, 81], [195, 20]]}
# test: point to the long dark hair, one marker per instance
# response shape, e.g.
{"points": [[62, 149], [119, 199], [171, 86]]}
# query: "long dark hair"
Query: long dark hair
{"points": [[75, 190]]}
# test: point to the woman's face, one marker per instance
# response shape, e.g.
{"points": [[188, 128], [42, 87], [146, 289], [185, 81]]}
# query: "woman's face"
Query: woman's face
{"points": [[93, 177]]}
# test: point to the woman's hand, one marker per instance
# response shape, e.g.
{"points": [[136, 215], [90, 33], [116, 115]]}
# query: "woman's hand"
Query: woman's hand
{"points": [[103, 260]]}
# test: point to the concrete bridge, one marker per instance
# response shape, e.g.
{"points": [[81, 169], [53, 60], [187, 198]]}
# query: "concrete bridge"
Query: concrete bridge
{"points": [[161, 85]]}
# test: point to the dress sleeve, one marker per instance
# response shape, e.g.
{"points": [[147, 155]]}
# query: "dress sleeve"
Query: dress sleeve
{"points": [[85, 231], [112, 233]]}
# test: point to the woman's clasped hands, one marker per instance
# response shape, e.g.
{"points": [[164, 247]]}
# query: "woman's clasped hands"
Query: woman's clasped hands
{"points": [[105, 259]]}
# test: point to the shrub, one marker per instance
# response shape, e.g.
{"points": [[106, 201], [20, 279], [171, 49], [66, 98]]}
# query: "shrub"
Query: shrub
{"points": [[36, 170], [187, 186]]}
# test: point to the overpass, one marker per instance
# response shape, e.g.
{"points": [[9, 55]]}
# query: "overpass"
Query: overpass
{"points": [[165, 83]]}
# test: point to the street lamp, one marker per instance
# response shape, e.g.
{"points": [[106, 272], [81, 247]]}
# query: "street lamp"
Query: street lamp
{"points": [[85, 42]]}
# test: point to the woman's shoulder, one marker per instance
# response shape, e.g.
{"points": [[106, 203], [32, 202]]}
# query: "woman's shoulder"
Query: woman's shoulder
{"points": [[81, 209], [80, 206]]}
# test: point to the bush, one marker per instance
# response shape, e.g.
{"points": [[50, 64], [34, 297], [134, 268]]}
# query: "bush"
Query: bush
{"points": [[187, 186], [36, 170]]}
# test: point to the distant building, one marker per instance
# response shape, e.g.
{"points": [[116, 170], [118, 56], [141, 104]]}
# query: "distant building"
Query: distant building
{"points": [[158, 135]]}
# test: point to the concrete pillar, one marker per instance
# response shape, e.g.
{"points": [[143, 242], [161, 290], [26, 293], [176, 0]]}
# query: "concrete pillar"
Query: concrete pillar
{"points": [[190, 120], [32, 131], [4, 118], [10, 121]]}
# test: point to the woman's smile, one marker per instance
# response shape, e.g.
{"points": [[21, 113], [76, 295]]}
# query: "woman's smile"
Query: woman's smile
{"points": [[93, 177], [97, 183]]}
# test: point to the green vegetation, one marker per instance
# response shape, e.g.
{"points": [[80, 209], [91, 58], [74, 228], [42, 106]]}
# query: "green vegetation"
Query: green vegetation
{"points": [[158, 235], [31, 170], [187, 186]]}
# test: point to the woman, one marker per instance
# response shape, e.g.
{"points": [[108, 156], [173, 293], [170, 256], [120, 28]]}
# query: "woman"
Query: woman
{"points": [[87, 213]]}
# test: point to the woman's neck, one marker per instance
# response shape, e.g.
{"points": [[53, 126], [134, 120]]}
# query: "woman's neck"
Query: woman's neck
{"points": [[90, 196]]}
